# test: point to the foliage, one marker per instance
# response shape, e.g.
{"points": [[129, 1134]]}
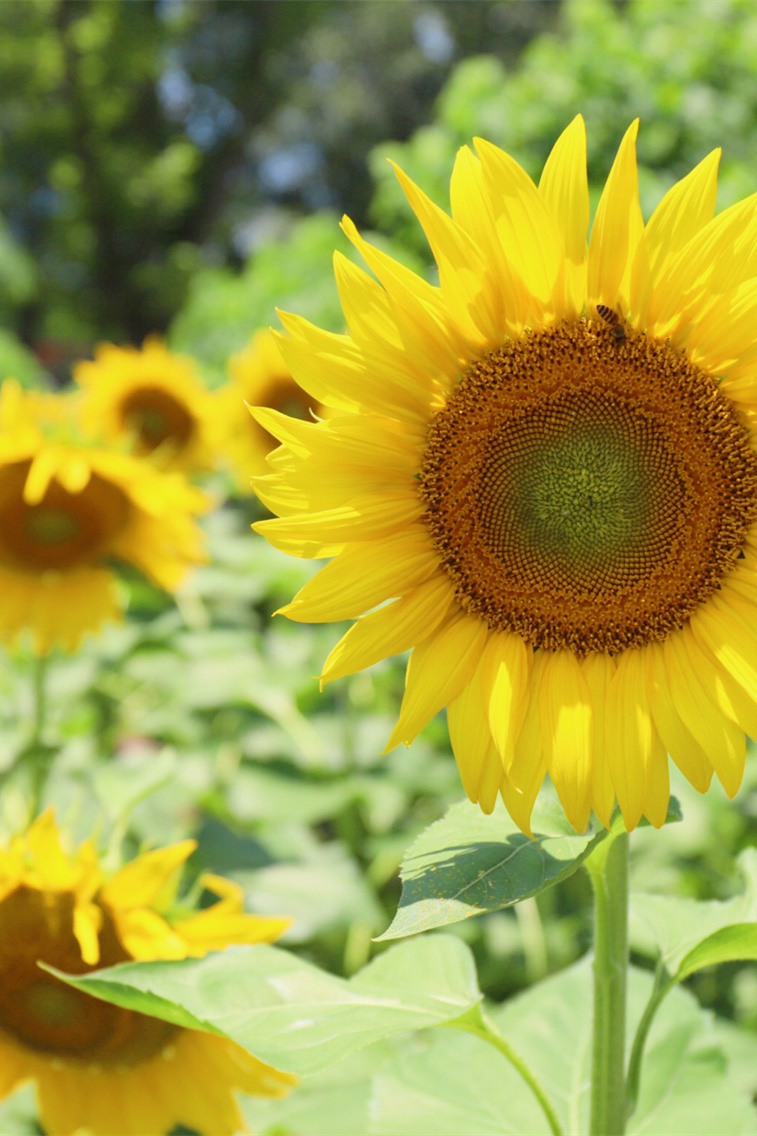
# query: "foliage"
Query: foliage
{"points": [[664, 63]]}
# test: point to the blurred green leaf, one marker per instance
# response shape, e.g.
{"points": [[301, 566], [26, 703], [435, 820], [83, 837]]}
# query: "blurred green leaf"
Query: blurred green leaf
{"points": [[469, 864], [737, 941], [288, 1012], [680, 927], [455, 1083]]}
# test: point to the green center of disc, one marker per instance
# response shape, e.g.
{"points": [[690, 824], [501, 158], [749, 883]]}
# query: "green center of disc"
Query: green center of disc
{"points": [[51, 527], [581, 498]]}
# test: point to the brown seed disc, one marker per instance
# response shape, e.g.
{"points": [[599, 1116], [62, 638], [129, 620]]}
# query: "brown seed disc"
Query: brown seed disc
{"points": [[586, 491], [156, 417], [44, 1014], [64, 530]]}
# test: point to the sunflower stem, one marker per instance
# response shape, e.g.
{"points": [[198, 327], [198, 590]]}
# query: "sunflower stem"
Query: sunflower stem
{"points": [[608, 868]]}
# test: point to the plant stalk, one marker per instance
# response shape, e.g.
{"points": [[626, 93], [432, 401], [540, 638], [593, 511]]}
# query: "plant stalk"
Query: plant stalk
{"points": [[608, 868]]}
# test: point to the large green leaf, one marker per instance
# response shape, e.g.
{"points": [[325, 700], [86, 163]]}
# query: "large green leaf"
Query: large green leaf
{"points": [[334, 1102], [690, 934], [455, 1083], [288, 1012], [470, 864]]}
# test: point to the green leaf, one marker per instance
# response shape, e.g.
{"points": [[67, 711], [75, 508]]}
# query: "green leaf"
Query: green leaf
{"points": [[288, 1012], [738, 941], [333, 1102], [680, 929], [469, 864], [454, 1083]]}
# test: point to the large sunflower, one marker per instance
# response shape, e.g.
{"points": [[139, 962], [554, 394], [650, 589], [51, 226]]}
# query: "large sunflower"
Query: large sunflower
{"points": [[152, 397], [68, 512], [97, 1067], [548, 465], [259, 376]]}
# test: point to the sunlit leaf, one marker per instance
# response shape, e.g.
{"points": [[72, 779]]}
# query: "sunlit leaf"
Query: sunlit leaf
{"points": [[290, 1013], [469, 864]]}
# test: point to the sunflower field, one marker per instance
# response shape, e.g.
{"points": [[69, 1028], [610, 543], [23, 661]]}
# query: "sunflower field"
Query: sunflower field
{"points": [[378, 550]]}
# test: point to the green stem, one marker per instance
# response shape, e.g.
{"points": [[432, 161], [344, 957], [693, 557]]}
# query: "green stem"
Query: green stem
{"points": [[662, 984], [608, 868], [477, 1023]]}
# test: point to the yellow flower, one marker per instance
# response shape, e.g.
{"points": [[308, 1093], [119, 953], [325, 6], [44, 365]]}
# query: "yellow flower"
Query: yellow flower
{"points": [[151, 396], [67, 513], [97, 1067], [259, 376], [547, 464]]}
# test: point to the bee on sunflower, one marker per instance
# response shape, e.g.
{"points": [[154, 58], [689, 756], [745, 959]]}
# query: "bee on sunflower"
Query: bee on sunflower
{"points": [[95, 1066], [70, 510], [559, 521]]}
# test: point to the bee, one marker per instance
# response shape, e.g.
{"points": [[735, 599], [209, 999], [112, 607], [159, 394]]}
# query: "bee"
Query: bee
{"points": [[613, 320]]}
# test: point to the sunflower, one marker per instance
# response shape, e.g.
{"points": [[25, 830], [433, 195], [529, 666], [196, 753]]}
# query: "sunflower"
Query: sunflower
{"points": [[151, 396], [541, 477], [259, 376], [96, 1066], [67, 512]]}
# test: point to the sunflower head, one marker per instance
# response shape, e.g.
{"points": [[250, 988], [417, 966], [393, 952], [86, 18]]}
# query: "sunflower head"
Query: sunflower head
{"points": [[259, 377], [96, 1066], [541, 477], [151, 398], [68, 512]]}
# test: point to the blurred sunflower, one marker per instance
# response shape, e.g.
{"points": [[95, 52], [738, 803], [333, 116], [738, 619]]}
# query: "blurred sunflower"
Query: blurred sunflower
{"points": [[259, 376], [151, 396], [98, 1067], [67, 512], [547, 464]]}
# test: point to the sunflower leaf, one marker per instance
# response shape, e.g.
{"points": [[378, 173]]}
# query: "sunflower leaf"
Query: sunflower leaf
{"points": [[469, 864], [690, 934], [289, 1013], [456, 1083], [737, 941]]}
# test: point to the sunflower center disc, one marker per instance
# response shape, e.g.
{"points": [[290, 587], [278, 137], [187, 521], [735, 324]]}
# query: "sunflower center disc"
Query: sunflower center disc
{"points": [[587, 493], [156, 417], [49, 1017], [64, 530]]}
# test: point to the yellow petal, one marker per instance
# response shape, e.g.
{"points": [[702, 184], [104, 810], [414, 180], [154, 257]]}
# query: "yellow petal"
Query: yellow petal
{"points": [[529, 765], [145, 935], [364, 575], [368, 518], [617, 229], [462, 268], [677, 739], [140, 881], [564, 186], [721, 739], [392, 629], [87, 924], [477, 758], [598, 670], [685, 209], [506, 673], [427, 329], [437, 672], [630, 736], [525, 224], [472, 209], [55, 869], [566, 732]]}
